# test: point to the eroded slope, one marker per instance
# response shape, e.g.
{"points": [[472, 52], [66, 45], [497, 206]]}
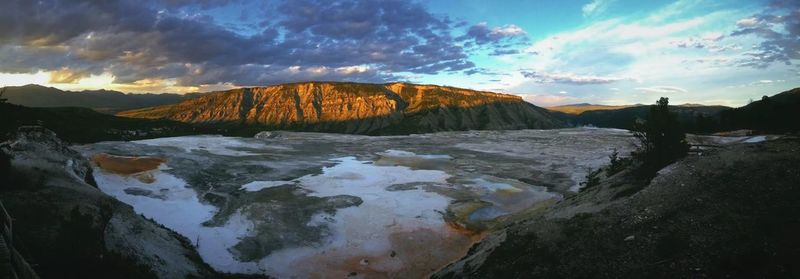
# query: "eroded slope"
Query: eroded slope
{"points": [[395, 108]]}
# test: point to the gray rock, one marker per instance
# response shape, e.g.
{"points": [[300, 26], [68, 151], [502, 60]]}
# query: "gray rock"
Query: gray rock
{"points": [[629, 238], [143, 192], [65, 221], [268, 135]]}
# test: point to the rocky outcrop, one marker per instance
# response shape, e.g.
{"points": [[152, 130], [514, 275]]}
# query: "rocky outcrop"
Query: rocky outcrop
{"points": [[730, 213], [70, 229], [394, 108]]}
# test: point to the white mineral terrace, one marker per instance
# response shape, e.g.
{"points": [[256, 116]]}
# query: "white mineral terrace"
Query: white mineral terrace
{"points": [[405, 185]]}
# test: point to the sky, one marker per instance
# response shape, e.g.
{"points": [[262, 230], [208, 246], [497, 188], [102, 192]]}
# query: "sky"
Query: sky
{"points": [[549, 52]]}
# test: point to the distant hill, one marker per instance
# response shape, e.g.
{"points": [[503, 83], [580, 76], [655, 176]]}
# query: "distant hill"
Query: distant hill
{"points": [[360, 108], [580, 108], [100, 100], [777, 114], [695, 118], [82, 125]]}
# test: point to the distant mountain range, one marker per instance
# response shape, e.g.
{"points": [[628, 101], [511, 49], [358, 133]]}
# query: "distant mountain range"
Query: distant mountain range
{"points": [[694, 118], [584, 107], [105, 101], [777, 114], [360, 108], [580, 108], [83, 125], [375, 109]]}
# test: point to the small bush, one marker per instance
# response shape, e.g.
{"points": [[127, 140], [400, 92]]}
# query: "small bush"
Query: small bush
{"points": [[592, 179], [616, 163]]}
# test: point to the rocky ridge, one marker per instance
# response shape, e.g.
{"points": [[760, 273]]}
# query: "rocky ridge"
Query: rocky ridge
{"points": [[394, 108]]}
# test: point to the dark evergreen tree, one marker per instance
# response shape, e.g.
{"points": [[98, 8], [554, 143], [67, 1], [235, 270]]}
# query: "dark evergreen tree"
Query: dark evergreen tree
{"points": [[662, 139]]}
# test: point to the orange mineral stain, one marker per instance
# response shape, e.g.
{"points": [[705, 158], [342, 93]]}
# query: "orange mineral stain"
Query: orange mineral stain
{"points": [[137, 167], [415, 253]]}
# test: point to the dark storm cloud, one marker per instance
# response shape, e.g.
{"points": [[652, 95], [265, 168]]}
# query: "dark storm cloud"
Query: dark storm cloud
{"points": [[136, 40], [779, 27], [482, 71], [501, 52], [195, 3], [243, 74], [481, 34], [396, 35], [54, 22]]}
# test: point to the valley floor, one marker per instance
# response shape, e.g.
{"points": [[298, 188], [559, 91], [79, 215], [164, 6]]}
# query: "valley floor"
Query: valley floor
{"points": [[308, 204], [476, 204]]}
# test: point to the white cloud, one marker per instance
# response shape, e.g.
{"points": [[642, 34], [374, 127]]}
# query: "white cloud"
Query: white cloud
{"points": [[352, 69], [509, 30], [626, 50], [570, 78], [639, 40], [759, 83], [662, 89], [720, 60], [547, 100], [636, 49], [747, 22], [709, 41], [766, 82], [675, 9], [596, 7], [713, 36]]}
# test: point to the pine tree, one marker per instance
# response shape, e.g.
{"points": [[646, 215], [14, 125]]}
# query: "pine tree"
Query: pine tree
{"points": [[662, 139]]}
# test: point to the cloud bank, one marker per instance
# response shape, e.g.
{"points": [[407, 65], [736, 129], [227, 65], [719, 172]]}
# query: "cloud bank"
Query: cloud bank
{"points": [[134, 40]]}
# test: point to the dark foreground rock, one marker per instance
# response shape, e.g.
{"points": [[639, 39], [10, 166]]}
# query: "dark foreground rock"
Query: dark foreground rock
{"points": [[67, 228], [729, 214]]}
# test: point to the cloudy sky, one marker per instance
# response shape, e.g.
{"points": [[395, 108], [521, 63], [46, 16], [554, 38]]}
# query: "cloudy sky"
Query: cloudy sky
{"points": [[549, 52]]}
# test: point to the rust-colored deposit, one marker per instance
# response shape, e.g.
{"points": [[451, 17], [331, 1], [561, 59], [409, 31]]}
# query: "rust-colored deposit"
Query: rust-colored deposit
{"points": [[126, 165], [413, 254]]}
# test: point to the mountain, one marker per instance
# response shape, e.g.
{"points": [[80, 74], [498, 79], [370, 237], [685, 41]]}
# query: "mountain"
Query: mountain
{"points": [[360, 108], [83, 125], [580, 108], [690, 105], [100, 100], [777, 114], [695, 118]]}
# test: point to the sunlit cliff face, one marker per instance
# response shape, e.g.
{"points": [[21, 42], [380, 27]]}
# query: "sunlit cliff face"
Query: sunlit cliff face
{"points": [[357, 108]]}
